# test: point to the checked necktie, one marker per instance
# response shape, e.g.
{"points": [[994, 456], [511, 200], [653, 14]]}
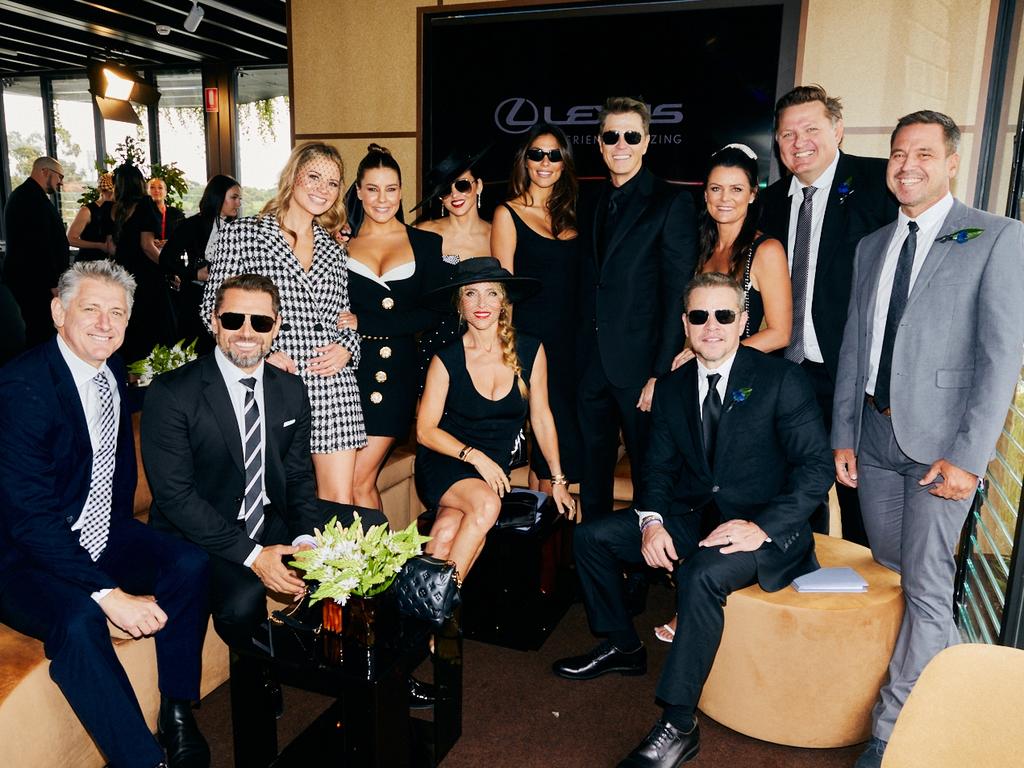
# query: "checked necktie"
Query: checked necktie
{"points": [[252, 453], [801, 271], [96, 525], [897, 303], [710, 411]]}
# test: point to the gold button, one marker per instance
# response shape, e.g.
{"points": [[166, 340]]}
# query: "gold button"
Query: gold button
{"points": [[376, 397], [387, 302], [380, 377], [385, 352]]}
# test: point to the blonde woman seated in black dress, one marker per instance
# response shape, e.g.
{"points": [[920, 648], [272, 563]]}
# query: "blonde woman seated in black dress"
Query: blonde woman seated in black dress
{"points": [[478, 393]]}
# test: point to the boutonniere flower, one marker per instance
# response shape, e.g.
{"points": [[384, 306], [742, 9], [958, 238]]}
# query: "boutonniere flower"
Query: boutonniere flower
{"points": [[960, 236], [740, 395], [845, 189]]}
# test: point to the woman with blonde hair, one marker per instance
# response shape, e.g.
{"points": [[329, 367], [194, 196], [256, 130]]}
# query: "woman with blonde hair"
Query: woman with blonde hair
{"points": [[478, 393], [292, 241]]}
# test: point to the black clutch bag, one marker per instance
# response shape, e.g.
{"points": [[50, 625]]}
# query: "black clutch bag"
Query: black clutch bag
{"points": [[428, 589], [518, 510]]}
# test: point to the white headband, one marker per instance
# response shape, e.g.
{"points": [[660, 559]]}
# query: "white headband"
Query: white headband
{"points": [[742, 148]]}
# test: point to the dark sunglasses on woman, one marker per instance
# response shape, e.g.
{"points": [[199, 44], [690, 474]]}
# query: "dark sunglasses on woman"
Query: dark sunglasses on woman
{"points": [[612, 137], [232, 321], [700, 316], [463, 186], [537, 154]]}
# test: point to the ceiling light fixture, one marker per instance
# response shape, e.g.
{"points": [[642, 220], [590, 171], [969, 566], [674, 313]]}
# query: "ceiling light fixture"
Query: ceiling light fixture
{"points": [[163, 30], [194, 17], [117, 87]]}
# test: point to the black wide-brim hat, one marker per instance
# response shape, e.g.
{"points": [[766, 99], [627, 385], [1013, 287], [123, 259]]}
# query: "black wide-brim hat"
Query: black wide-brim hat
{"points": [[440, 178], [483, 269]]}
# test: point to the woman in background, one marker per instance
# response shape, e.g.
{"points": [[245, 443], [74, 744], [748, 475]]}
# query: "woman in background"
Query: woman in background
{"points": [[170, 216], [534, 235], [390, 267], [91, 229], [292, 241]]}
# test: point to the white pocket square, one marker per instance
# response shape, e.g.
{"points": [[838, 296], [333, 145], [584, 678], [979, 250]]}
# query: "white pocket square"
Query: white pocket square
{"points": [[288, 423]]}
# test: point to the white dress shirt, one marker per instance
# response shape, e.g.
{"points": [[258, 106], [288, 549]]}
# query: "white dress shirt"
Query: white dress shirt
{"points": [[724, 369], [928, 224], [822, 185], [83, 374], [233, 375]]}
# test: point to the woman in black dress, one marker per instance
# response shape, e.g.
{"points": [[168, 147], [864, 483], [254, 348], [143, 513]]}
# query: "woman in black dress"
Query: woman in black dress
{"points": [[479, 390], [135, 228], [730, 243], [390, 266], [534, 235], [90, 231]]}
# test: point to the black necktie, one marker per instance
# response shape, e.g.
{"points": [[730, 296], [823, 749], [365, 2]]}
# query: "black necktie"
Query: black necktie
{"points": [[608, 221], [897, 303], [709, 413], [801, 272]]}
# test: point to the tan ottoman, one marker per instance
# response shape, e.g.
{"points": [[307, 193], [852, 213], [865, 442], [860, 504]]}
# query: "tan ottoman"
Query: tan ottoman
{"points": [[805, 669]]}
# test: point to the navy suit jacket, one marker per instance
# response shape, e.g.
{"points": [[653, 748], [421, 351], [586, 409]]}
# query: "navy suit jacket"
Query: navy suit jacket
{"points": [[46, 467], [772, 461]]}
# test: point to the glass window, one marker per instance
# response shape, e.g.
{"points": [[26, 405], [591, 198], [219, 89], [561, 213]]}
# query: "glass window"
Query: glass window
{"points": [[182, 130], [76, 141], [23, 114], [264, 133], [115, 134]]}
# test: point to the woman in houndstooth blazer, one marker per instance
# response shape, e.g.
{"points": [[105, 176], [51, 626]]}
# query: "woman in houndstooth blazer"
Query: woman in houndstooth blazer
{"points": [[292, 242]]}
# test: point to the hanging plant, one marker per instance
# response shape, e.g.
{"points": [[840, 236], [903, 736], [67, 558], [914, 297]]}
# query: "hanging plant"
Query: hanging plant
{"points": [[130, 152]]}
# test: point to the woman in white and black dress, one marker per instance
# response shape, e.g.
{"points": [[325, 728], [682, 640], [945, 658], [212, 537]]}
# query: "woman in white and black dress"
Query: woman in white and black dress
{"points": [[292, 241]]}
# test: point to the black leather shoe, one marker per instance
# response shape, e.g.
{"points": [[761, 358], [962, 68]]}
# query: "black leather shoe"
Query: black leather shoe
{"points": [[603, 659], [421, 695], [665, 747], [179, 735]]}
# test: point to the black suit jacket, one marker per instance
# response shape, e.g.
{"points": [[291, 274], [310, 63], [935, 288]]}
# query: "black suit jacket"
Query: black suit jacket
{"points": [[192, 453], [632, 303], [849, 216], [46, 467], [188, 239], [772, 461]]}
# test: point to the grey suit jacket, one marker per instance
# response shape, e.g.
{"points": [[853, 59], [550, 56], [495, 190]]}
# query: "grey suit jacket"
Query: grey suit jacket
{"points": [[958, 349]]}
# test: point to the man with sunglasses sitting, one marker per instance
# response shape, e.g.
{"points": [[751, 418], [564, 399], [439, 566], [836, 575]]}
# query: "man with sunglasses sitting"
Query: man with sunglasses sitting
{"points": [[639, 247], [225, 444], [736, 440]]}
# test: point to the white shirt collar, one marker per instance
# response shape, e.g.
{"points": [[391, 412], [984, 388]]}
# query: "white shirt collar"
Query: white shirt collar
{"points": [[232, 373], [822, 182], [724, 369], [931, 218], [81, 371]]}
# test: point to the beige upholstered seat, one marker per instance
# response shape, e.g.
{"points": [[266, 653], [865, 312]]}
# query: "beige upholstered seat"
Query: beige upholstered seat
{"points": [[804, 669], [965, 710]]}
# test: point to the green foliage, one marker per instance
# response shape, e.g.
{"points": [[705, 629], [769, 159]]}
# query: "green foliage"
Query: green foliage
{"points": [[347, 561], [161, 360], [129, 152]]}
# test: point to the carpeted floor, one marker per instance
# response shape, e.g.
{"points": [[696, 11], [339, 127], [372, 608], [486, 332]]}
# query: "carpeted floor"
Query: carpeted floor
{"points": [[517, 714]]}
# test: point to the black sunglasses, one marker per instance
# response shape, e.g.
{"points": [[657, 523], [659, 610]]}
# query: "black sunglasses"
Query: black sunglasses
{"points": [[463, 186], [700, 316], [612, 137], [232, 321], [537, 154]]}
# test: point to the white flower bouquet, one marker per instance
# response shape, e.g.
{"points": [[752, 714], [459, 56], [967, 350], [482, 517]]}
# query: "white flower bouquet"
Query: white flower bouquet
{"points": [[161, 360]]}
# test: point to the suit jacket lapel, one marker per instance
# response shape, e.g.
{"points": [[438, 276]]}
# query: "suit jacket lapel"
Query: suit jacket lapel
{"points": [[691, 409], [71, 401], [835, 217], [216, 393], [874, 273], [741, 375], [955, 220], [635, 205], [273, 418]]}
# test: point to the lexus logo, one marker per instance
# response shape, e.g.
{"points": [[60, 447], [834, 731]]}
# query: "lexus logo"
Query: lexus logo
{"points": [[517, 114]]}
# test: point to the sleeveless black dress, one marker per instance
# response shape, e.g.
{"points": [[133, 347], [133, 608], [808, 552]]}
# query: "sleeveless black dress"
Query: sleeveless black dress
{"points": [[754, 302], [492, 426], [100, 225], [551, 316]]}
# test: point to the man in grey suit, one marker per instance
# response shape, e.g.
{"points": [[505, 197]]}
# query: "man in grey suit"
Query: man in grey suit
{"points": [[930, 357]]}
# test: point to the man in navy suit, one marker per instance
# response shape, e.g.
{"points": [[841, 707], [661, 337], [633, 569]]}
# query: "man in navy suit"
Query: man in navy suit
{"points": [[71, 554], [737, 439]]}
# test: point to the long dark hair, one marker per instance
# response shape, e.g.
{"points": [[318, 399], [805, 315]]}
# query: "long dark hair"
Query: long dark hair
{"points": [[376, 157], [730, 157], [129, 191], [213, 196], [562, 201]]}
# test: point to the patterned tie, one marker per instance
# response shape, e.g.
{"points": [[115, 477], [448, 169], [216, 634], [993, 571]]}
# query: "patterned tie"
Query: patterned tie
{"points": [[96, 525], [710, 411], [801, 269], [253, 455], [897, 303]]}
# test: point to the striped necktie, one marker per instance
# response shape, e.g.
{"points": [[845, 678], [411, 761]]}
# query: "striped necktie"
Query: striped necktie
{"points": [[96, 523], [801, 274], [252, 453]]}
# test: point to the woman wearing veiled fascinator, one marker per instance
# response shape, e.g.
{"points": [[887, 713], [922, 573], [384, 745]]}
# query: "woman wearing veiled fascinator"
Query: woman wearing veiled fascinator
{"points": [[730, 243]]}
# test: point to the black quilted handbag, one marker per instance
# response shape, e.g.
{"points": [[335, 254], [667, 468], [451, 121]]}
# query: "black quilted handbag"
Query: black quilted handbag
{"points": [[428, 589]]}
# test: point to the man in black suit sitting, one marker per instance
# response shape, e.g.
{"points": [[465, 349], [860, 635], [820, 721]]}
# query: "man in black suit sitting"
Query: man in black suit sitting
{"points": [[737, 437]]}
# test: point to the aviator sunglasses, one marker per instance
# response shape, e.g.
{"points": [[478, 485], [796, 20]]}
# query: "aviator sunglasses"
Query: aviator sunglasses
{"points": [[537, 154], [462, 186], [700, 316], [232, 321], [612, 137]]}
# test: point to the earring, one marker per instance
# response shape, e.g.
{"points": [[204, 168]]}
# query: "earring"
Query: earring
{"points": [[479, 199], [444, 211]]}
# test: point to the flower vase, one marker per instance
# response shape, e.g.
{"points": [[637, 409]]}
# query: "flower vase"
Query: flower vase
{"points": [[331, 633]]}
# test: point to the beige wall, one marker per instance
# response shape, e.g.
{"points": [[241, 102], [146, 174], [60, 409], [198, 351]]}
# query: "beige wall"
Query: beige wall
{"points": [[354, 66]]}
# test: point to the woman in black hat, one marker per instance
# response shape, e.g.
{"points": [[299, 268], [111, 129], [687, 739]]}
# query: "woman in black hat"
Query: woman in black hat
{"points": [[451, 209], [390, 267], [470, 420], [534, 235]]}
